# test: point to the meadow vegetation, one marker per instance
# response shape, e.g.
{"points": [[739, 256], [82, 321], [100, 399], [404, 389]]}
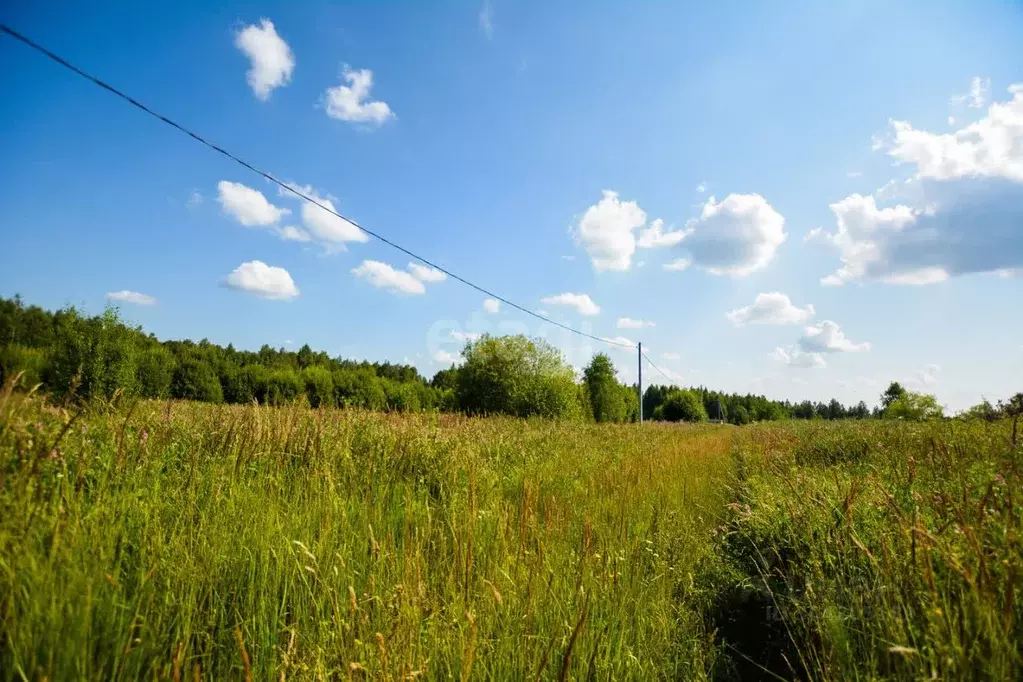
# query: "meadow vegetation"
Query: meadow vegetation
{"points": [[505, 520], [180, 540]]}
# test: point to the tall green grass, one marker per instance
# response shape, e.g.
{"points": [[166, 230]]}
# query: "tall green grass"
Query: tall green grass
{"points": [[876, 550], [186, 541]]}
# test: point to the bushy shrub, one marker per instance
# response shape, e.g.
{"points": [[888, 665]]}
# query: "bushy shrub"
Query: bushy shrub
{"points": [[194, 379], [517, 376], [319, 386], [683, 406]]}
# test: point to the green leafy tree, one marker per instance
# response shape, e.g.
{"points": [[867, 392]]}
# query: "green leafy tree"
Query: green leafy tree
{"points": [[155, 372], [684, 406], [517, 376], [891, 394], [914, 407], [195, 379], [606, 399], [319, 386]]}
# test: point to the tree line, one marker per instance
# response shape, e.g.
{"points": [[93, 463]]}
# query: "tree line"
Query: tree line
{"points": [[74, 356]]}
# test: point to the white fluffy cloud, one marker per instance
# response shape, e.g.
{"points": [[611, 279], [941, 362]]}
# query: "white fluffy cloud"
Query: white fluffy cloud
{"points": [[352, 103], [290, 233], [966, 211], [491, 305], [383, 276], [327, 226], [795, 357], [677, 265], [271, 59], [671, 356], [266, 281], [462, 337], [581, 302], [620, 342], [629, 323], [770, 308], [426, 274], [827, 337], [605, 231], [991, 147], [655, 237], [248, 206], [737, 236], [320, 223], [126, 296]]}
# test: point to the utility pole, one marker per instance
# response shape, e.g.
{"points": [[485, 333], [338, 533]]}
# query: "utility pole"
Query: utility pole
{"points": [[639, 388]]}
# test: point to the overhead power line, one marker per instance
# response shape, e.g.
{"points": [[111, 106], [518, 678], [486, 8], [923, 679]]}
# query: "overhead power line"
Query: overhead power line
{"points": [[663, 374], [285, 186]]}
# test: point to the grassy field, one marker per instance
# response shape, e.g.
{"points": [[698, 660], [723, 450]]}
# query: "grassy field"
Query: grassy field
{"points": [[185, 541]]}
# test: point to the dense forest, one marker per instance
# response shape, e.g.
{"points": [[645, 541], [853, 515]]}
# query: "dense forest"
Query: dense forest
{"points": [[76, 357]]}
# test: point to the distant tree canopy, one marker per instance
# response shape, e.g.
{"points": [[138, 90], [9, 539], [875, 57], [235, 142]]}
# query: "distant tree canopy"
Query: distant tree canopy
{"points": [[518, 376], [83, 358], [77, 357]]}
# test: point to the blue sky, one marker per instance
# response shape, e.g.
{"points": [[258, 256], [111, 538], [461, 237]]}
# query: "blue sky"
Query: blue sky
{"points": [[861, 159]]}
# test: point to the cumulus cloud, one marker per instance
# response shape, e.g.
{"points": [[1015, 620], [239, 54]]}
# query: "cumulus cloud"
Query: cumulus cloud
{"points": [[606, 232], [352, 102], [266, 281], [462, 337], [671, 356], [271, 59], [702, 187], [677, 265], [620, 342], [655, 237], [383, 276], [737, 236], [290, 233], [126, 296], [581, 302], [491, 305], [426, 274], [964, 215], [796, 357], [248, 206], [827, 337], [770, 308], [321, 223], [629, 323]]}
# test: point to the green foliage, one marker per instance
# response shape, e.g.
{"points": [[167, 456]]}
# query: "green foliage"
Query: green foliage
{"points": [[30, 362], [195, 380], [319, 386], [401, 397], [606, 399], [683, 406], [914, 407], [517, 376], [891, 394], [155, 372]]}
